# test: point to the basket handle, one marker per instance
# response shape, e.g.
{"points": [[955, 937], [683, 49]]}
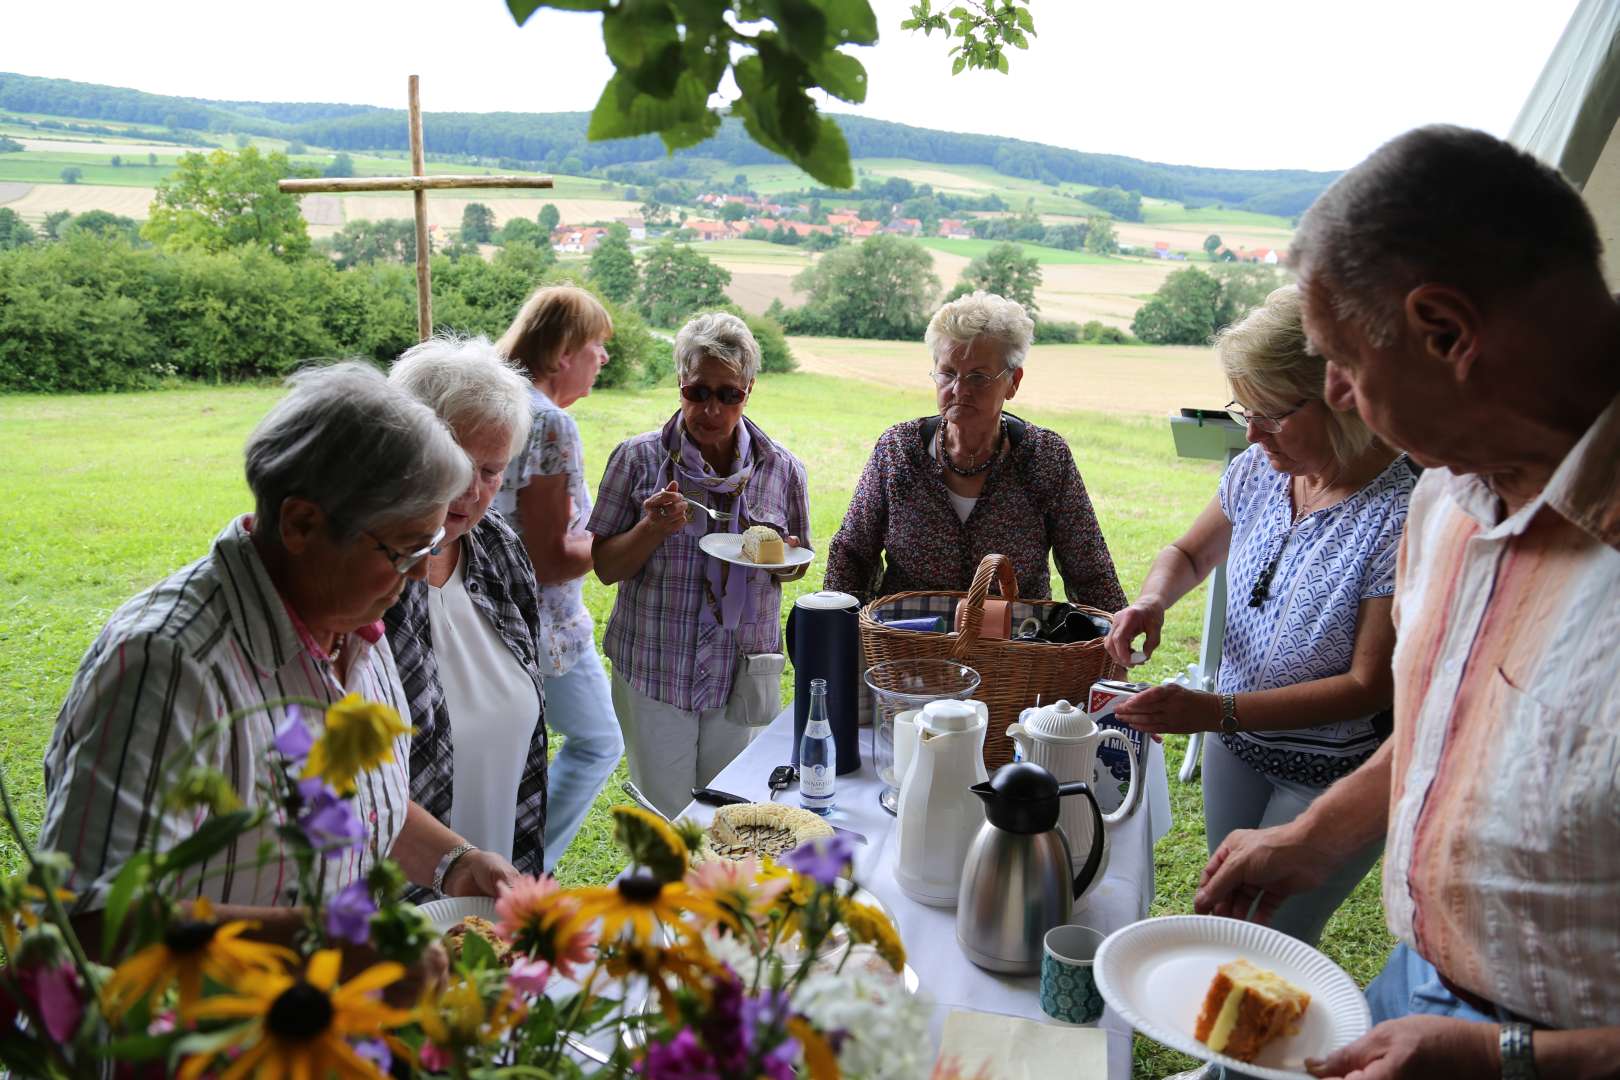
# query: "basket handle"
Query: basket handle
{"points": [[991, 566]]}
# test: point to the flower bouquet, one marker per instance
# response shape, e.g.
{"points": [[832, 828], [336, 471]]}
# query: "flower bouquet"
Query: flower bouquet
{"points": [[721, 969]]}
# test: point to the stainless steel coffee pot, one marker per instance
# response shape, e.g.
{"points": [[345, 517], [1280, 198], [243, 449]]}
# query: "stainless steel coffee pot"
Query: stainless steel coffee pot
{"points": [[1016, 882]]}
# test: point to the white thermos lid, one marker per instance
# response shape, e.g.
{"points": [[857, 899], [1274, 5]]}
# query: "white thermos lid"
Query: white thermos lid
{"points": [[826, 600]]}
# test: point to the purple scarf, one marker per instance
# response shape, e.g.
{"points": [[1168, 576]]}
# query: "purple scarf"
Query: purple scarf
{"points": [[730, 600]]}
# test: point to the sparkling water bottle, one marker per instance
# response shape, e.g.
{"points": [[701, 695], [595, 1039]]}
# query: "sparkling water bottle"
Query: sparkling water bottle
{"points": [[818, 755]]}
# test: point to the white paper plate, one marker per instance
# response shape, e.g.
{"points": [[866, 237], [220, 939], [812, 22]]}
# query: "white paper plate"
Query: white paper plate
{"points": [[452, 909], [1155, 974], [728, 548]]}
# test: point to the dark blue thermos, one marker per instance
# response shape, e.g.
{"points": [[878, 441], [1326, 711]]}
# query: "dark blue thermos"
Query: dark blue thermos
{"points": [[824, 642]]}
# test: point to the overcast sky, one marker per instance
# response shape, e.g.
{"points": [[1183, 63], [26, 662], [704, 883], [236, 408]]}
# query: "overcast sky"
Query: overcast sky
{"points": [[1241, 83]]}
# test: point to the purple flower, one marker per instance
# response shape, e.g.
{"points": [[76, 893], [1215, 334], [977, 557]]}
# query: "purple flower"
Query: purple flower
{"points": [[376, 1052], [778, 1064], [348, 914], [770, 1008], [724, 1028], [823, 859], [293, 737], [682, 1058], [329, 822]]}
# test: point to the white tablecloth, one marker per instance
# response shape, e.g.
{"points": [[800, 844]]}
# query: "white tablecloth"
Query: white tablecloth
{"points": [[929, 933]]}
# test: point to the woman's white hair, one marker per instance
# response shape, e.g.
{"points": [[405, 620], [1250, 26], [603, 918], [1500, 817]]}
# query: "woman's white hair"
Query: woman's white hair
{"points": [[982, 314], [1266, 360], [363, 451], [717, 335], [468, 384]]}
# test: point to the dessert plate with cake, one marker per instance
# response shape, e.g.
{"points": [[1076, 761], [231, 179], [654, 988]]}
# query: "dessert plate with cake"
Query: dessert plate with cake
{"points": [[758, 546], [1236, 993]]}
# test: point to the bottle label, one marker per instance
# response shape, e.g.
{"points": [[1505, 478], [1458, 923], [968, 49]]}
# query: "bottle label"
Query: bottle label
{"points": [[816, 780]]}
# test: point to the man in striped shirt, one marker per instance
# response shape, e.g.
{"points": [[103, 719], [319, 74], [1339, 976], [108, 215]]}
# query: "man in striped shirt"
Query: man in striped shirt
{"points": [[1456, 287], [351, 479]]}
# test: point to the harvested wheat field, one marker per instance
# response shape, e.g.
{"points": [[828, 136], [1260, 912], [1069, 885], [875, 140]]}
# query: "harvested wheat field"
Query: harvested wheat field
{"points": [[45, 199], [1190, 236], [11, 191], [1153, 380], [445, 210], [97, 146]]}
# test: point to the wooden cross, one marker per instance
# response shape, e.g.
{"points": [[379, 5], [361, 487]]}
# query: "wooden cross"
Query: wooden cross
{"points": [[417, 184]]}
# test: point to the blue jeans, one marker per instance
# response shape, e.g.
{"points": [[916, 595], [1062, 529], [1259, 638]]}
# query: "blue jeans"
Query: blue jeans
{"points": [[580, 706], [1410, 984]]}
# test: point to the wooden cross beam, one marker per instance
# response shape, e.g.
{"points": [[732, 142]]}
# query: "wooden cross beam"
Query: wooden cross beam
{"points": [[418, 184]]}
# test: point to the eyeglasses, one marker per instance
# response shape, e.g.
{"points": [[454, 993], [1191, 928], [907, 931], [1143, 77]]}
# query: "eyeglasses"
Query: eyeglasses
{"points": [[404, 562], [697, 394], [973, 381], [1269, 424]]}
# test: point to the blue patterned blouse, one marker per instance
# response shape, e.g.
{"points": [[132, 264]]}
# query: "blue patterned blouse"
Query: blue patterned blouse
{"points": [[1305, 628]]}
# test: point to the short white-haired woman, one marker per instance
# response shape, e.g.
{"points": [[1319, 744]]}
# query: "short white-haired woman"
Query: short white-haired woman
{"points": [[558, 339], [1308, 521], [695, 641], [350, 481], [941, 492], [467, 637]]}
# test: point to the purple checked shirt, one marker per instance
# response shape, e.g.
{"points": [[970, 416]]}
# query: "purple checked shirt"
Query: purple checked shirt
{"points": [[655, 637]]}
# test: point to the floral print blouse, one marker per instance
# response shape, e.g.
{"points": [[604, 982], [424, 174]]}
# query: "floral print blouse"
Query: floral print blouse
{"points": [[901, 532]]}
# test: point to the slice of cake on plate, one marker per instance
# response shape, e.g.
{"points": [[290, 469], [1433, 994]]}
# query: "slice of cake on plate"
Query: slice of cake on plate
{"points": [[1246, 1008], [763, 544]]}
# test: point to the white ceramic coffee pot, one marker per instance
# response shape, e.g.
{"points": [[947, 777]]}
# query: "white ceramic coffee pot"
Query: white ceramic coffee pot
{"points": [[938, 815], [1063, 740]]}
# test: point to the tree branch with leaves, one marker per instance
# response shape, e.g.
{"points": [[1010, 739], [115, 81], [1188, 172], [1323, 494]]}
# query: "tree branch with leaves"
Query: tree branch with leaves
{"points": [[986, 27]]}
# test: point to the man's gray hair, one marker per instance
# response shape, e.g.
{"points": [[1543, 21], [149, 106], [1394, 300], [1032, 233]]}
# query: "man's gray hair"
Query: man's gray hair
{"points": [[365, 452], [718, 335], [982, 314], [468, 384], [1443, 205]]}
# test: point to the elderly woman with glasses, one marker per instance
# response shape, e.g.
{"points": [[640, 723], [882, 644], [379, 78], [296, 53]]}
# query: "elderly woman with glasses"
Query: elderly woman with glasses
{"points": [[694, 639], [940, 493], [1308, 521], [467, 636], [350, 480]]}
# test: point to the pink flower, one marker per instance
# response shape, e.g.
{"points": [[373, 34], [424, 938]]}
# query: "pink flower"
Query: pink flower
{"points": [[532, 916], [434, 1059], [526, 902], [54, 993], [727, 892], [529, 976]]}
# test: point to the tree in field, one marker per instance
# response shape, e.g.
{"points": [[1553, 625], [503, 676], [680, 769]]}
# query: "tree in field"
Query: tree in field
{"points": [[340, 165], [151, 159], [1006, 271], [103, 223], [613, 268], [520, 230], [882, 288], [10, 146], [477, 224], [733, 211], [549, 219], [116, 161], [243, 141], [362, 242], [1212, 244], [1100, 236], [14, 231], [1244, 287], [55, 221], [1187, 310], [676, 281], [294, 146], [71, 174], [228, 200]]}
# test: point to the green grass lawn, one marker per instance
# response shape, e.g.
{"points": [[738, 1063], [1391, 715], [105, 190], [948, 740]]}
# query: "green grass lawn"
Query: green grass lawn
{"points": [[104, 495], [1047, 256], [34, 167]]}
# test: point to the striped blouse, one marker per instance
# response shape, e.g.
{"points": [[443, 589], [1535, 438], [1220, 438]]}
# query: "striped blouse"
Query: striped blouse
{"points": [[1502, 866], [214, 638]]}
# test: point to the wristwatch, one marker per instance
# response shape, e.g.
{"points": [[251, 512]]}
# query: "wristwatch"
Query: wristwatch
{"points": [[445, 863], [1229, 719], [1518, 1053]]}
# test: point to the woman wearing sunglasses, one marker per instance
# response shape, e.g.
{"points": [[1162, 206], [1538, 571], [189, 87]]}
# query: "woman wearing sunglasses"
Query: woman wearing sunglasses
{"points": [[940, 493], [1308, 521], [695, 641]]}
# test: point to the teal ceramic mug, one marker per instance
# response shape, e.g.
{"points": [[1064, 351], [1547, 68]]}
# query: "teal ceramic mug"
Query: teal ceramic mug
{"points": [[1068, 985]]}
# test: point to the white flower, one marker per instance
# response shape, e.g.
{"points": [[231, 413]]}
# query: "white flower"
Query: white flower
{"points": [[887, 1026]]}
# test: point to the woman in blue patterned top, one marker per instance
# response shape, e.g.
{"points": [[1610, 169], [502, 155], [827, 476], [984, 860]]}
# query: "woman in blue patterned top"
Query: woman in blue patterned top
{"points": [[1308, 521]]}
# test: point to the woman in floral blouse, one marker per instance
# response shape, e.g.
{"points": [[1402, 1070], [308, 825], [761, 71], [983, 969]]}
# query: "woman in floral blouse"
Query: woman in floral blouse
{"points": [[940, 493]]}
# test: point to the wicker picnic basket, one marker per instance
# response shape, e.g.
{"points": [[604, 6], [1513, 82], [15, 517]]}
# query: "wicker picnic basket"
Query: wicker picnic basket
{"points": [[1013, 673]]}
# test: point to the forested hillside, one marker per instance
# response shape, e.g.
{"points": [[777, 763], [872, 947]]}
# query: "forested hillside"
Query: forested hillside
{"points": [[548, 140]]}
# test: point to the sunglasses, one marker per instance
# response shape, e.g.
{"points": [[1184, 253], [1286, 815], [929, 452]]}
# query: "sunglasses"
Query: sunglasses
{"points": [[697, 393]]}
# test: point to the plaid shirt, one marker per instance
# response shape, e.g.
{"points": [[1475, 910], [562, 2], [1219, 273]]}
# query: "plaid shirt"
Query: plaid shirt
{"points": [[654, 637], [500, 580]]}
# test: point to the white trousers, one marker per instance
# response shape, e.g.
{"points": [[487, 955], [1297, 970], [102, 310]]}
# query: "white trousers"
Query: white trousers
{"points": [[671, 751]]}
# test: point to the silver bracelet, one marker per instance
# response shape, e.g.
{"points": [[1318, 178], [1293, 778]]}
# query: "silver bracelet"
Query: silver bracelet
{"points": [[1518, 1052], [445, 863]]}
